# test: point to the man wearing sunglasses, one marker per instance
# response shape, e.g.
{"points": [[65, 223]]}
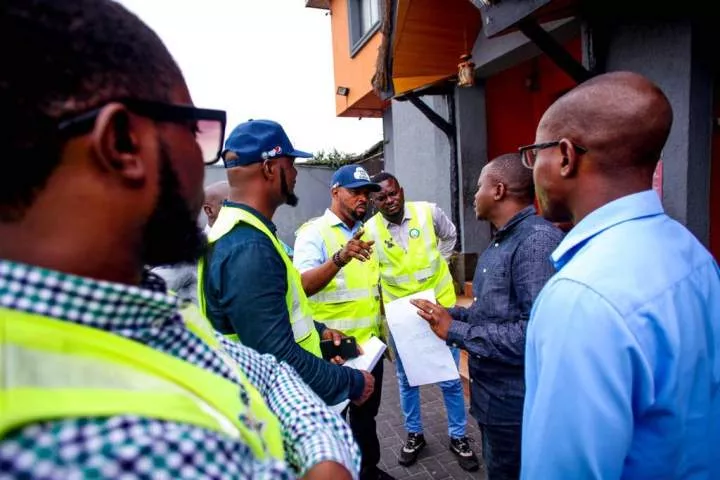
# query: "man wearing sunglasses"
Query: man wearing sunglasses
{"points": [[509, 275], [623, 347], [106, 375]]}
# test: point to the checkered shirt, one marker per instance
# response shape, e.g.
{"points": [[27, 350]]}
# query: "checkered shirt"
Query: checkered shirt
{"points": [[132, 447]]}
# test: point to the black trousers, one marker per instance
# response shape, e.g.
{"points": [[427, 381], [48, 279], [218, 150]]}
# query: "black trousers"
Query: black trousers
{"points": [[362, 422], [501, 451]]}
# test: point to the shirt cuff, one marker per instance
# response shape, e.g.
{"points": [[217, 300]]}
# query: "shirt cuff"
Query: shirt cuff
{"points": [[320, 327], [357, 384], [457, 333]]}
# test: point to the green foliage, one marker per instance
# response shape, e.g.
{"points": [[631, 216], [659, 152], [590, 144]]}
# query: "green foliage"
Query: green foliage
{"points": [[332, 158]]}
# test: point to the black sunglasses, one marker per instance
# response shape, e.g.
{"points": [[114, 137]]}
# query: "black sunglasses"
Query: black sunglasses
{"points": [[207, 125], [529, 153]]}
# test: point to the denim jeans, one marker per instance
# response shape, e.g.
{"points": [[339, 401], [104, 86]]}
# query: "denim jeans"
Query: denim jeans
{"points": [[452, 391]]}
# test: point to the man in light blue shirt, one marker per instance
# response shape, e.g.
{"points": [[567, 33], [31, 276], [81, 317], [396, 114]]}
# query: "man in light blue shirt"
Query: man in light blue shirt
{"points": [[623, 345]]}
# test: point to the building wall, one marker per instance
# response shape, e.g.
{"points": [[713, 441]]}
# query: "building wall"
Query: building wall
{"points": [[669, 54], [352, 72], [420, 155], [471, 122]]}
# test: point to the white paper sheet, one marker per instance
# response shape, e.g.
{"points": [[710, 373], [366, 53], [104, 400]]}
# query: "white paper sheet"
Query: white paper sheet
{"points": [[425, 357], [373, 350]]}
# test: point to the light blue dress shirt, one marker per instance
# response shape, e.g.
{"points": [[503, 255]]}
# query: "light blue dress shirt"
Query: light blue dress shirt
{"points": [[310, 250], [623, 352]]}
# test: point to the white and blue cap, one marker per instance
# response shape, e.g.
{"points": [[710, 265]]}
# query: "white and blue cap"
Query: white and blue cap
{"points": [[353, 176], [258, 140]]}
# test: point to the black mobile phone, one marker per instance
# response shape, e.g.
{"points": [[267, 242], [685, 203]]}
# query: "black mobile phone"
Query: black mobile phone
{"points": [[347, 348]]}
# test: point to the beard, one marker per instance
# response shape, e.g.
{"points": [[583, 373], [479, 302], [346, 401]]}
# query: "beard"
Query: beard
{"points": [[290, 197], [171, 234]]}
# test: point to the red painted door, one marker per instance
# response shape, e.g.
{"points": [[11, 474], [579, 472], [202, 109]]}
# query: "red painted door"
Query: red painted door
{"points": [[715, 181], [517, 97]]}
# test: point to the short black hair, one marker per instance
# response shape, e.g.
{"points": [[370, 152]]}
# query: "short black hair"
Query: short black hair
{"points": [[518, 179], [60, 58], [382, 176]]}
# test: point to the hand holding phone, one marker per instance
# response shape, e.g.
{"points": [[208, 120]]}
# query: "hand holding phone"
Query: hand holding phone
{"points": [[347, 349]]}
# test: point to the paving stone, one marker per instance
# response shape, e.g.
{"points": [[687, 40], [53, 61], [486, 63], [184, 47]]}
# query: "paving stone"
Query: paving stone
{"points": [[435, 461]]}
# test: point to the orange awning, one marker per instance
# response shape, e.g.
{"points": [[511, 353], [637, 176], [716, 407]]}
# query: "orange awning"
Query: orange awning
{"points": [[429, 37]]}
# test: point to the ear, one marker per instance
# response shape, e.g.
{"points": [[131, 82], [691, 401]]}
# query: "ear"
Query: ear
{"points": [[115, 144], [268, 169], [499, 192], [208, 211], [570, 158]]}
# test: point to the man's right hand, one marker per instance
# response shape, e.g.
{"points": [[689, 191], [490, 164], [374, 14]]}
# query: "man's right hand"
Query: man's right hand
{"points": [[367, 389], [356, 248]]}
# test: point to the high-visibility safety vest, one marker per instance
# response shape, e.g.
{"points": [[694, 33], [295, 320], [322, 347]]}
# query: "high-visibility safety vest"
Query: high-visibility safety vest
{"points": [[421, 266], [52, 369], [350, 302], [298, 307]]}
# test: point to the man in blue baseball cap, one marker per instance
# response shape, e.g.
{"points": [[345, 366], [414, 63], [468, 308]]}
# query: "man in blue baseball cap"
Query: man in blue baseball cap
{"points": [[249, 288], [340, 275]]}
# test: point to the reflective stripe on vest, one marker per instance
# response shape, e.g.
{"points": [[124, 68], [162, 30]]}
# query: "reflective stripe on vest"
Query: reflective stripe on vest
{"points": [[51, 369], [419, 267], [350, 302], [298, 307]]}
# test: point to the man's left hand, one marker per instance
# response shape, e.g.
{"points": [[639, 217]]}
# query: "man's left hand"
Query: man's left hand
{"points": [[436, 315]]}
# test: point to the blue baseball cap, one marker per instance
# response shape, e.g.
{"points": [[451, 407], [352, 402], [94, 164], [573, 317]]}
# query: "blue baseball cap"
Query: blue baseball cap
{"points": [[258, 140], [353, 176]]}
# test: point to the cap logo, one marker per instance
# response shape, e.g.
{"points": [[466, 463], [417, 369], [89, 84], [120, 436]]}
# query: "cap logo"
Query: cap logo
{"points": [[272, 153], [361, 174]]}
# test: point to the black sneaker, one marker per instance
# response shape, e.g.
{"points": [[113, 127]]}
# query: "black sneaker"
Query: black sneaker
{"points": [[466, 457], [411, 449]]}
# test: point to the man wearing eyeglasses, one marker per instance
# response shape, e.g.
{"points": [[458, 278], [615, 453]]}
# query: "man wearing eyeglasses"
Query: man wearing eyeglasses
{"points": [[623, 347], [509, 275], [105, 374]]}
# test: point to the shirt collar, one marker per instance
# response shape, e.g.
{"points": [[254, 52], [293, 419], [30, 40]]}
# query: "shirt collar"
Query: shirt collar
{"points": [[334, 220], [515, 220], [85, 301], [630, 207], [406, 216], [268, 223]]}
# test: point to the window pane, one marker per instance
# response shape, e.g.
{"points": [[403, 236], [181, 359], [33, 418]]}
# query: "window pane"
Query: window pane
{"points": [[369, 15]]}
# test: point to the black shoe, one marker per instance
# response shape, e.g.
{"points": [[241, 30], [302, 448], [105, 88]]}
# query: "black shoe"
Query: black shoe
{"points": [[411, 449], [374, 473], [466, 457]]}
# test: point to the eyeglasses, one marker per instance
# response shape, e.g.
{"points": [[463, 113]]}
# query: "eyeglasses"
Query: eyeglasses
{"points": [[529, 153], [207, 125]]}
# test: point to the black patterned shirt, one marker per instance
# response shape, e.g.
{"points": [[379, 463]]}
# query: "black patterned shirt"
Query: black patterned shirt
{"points": [[509, 275]]}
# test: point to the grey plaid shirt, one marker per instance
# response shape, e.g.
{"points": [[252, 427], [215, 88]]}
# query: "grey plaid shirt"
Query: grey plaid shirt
{"points": [[132, 447], [509, 275]]}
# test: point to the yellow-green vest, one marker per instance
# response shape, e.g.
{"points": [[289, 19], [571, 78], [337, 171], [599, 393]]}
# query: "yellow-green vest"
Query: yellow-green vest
{"points": [[298, 307], [52, 369], [421, 266], [350, 303]]}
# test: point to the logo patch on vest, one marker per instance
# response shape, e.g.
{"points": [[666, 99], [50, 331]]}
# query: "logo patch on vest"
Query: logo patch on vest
{"points": [[414, 233]]}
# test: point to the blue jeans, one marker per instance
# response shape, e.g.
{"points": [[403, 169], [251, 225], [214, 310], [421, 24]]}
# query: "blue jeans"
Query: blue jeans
{"points": [[452, 391]]}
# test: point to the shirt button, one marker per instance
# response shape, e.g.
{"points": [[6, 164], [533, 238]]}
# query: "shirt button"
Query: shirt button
{"points": [[454, 345], [497, 244], [484, 270], [474, 299]]}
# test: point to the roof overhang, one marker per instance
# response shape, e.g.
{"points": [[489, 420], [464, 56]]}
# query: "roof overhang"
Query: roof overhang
{"points": [[322, 4], [428, 39]]}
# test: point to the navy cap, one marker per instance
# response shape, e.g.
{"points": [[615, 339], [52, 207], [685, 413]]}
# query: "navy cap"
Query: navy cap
{"points": [[258, 140], [353, 176]]}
